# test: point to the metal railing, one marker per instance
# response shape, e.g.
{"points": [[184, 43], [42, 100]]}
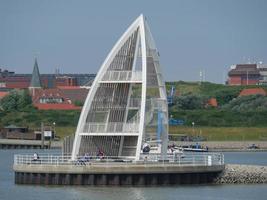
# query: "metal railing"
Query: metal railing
{"points": [[122, 76], [111, 127], [203, 159]]}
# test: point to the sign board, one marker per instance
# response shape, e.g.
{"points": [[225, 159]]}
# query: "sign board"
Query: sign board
{"points": [[48, 133]]}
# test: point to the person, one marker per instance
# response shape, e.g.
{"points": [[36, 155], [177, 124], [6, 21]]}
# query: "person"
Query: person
{"points": [[35, 157], [82, 160], [86, 157], [146, 148], [100, 154]]}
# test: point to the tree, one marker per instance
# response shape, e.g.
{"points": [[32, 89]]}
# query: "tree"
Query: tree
{"points": [[225, 95], [24, 100], [78, 103], [247, 103], [190, 102], [16, 101]]}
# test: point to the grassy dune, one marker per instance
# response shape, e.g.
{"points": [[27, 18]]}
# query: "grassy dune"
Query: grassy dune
{"points": [[65, 131], [223, 133], [211, 133]]}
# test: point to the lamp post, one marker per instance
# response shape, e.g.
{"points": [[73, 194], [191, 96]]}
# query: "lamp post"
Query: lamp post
{"points": [[54, 123], [42, 135], [193, 126]]}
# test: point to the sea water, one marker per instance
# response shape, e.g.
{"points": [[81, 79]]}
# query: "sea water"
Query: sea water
{"points": [[9, 190]]}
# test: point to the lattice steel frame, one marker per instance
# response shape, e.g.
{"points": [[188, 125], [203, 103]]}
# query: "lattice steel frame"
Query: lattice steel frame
{"points": [[117, 76]]}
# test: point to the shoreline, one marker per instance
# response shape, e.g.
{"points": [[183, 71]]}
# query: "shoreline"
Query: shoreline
{"points": [[213, 146], [227, 146]]}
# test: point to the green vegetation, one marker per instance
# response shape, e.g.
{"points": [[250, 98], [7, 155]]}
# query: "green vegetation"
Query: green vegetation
{"points": [[190, 102], [62, 132], [223, 133], [220, 117], [33, 118], [232, 111], [17, 100], [254, 103], [235, 118], [78, 103], [17, 109]]}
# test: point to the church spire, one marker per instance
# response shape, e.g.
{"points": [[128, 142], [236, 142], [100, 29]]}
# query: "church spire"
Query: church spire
{"points": [[35, 81]]}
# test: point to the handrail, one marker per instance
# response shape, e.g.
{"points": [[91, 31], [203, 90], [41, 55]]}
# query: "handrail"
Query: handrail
{"points": [[122, 76], [203, 159], [110, 127]]}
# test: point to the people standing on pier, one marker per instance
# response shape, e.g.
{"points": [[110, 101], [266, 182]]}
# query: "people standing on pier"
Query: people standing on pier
{"points": [[100, 154], [35, 157], [84, 159], [146, 148]]}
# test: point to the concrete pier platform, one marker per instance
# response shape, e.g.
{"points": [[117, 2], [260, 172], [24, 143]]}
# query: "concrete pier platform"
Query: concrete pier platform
{"points": [[116, 173]]}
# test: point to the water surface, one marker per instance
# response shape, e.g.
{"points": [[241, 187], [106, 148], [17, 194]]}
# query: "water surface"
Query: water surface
{"points": [[8, 190]]}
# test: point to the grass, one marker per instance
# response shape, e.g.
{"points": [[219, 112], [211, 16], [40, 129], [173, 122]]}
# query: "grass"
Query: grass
{"points": [[65, 131], [223, 133], [184, 87], [210, 133]]}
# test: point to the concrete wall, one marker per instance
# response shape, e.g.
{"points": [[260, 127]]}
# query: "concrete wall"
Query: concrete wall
{"points": [[132, 174]]}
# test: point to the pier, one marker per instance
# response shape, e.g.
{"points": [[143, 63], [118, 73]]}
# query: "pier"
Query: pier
{"points": [[151, 170]]}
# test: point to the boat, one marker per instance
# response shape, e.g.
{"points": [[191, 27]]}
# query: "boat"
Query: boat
{"points": [[195, 148]]}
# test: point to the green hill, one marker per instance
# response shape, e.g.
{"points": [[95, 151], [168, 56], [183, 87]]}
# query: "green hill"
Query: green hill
{"points": [[190, 105], [234, 114]]}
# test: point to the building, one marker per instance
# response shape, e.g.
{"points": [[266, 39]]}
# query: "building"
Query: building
{"points": [[65, 81], [35, 83], [11, 80], [3, 94], [247, 74], [75, 94], [126, 109], [60, 95], [253, 91], [60, 98]]}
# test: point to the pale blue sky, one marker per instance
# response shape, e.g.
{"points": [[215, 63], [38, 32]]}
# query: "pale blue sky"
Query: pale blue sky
{"points": [[76, 36]]}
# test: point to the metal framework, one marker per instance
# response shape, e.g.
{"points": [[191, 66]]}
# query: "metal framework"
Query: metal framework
{"points": [[127, 104]]}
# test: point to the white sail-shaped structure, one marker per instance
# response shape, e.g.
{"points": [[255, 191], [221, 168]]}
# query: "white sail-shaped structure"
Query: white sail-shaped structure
{"points": [[127, 104]]}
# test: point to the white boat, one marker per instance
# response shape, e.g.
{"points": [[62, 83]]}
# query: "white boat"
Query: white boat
{"points": [[195, 148]]}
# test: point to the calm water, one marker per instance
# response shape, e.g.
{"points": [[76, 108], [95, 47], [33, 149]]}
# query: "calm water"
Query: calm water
{"points": [[8, 190]]}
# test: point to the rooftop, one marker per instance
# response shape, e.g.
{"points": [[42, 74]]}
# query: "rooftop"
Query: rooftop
{"points": [[253, 91]]}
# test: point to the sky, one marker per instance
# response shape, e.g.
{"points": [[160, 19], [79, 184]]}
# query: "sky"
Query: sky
{"points": [[76, 36]]}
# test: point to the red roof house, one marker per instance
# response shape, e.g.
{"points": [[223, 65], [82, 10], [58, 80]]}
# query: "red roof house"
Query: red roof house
{"points": [[52, 99], [58, 106], [212, 102], [3, 94], [253, 91]]}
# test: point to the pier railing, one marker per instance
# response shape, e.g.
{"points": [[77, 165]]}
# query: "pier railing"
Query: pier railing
{"points": [[111, 127], [201, 159], [122, 76]]}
